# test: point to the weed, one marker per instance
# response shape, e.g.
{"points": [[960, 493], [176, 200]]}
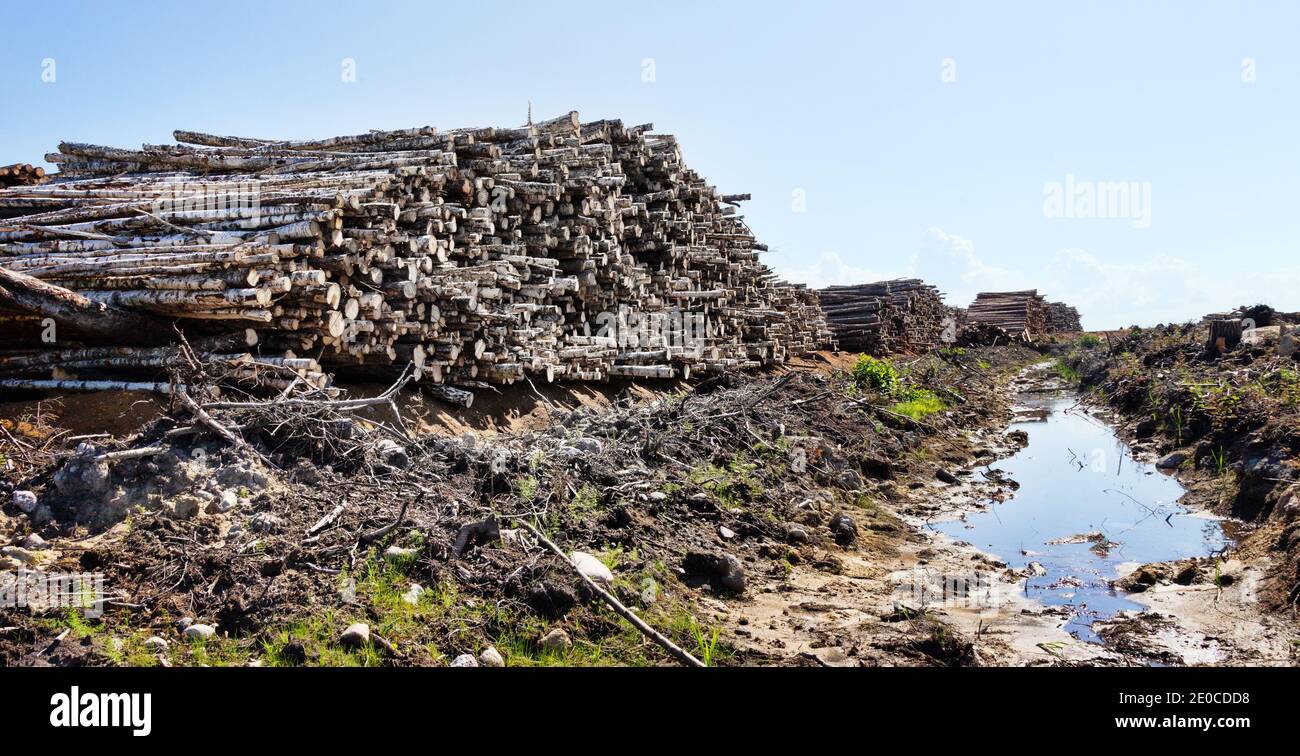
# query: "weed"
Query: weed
{"points": [[872, 373], [921, 403]]}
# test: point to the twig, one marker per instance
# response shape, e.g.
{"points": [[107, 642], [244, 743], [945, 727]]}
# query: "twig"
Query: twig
{"points": [[673, 649]]}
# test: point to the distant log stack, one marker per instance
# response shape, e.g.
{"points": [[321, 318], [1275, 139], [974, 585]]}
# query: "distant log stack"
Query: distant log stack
{"points": [[557, 250], [1022, 314], [903, 315], [1062, 318], [21, 174]]}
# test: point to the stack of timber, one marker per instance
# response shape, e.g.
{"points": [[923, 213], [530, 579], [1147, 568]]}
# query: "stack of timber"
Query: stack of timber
{"points": [[1062, 318], [886, 317], [558, 250], [1022, 314], [21, 174]]}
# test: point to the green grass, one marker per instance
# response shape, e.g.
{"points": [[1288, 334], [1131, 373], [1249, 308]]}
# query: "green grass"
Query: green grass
{"points": [[733, 485], [921, 404], [1066, 371]]}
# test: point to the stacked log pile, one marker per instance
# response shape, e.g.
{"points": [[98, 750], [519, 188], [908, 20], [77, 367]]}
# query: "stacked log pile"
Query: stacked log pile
{"points": [[1062, 318], [559, 250], [1022, 314], [21, 174], [886, 317]]}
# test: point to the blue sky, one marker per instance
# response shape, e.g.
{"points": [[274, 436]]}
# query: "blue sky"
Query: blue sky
{"points": [[878, 138]]}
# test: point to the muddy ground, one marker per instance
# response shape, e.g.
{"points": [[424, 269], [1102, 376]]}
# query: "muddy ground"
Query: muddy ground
{"points": [[779, 519]]}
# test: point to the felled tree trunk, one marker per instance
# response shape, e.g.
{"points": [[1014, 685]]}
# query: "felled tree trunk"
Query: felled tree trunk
{"points": [[68, 308]]}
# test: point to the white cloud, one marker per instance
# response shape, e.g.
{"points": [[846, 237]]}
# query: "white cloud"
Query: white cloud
{"points": [[951, 263], [829, 269]]}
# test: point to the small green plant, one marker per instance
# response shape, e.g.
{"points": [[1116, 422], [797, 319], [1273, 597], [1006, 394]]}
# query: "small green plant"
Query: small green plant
{"points": [[527, 488], [1220, 460], [1088, 341], [880, 375], [1176, 415], [705, 645]]}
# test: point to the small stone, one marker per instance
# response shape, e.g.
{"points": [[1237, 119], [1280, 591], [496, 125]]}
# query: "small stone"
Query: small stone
{"points": [[464, 660], [844, 529], [183, 623], [228, 501], [1146, 428], [490, 657], [35, 543], [265, 522], [357, 634], [556, 640], [726, 533], [1035, 569], [18, 553], [796, 534], [155, 644], [733, 577], [199, 632], [25, 500], [1172, 461], [413, 594], [588, 445], [591, 567], [946, 477], [392, 453], [184, 507], [658, 496]]}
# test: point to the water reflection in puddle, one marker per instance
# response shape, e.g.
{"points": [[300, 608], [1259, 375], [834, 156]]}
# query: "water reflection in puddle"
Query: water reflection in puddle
{"points": [[1084, 507]]}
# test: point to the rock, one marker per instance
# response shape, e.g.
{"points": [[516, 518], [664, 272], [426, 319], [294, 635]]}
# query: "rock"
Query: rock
{"points": [[588, 445], [1146, 428], [464, 660], [1035, 569], [356, 634], [1172, 461], [392, 453], [265, 522], [1018, 437], [226, 502], [726, 533], [591, 567], [946, 477], [199, 631], [24, 500], [796, 534], [556, 640], [658, 496], [83, 475], [491, 658], [844, 529], [724, 568], [183, 623], [18, 554], [35, 543], [41, 516], [155, 644], [851, 480], [184, 507], [413, 594]]}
